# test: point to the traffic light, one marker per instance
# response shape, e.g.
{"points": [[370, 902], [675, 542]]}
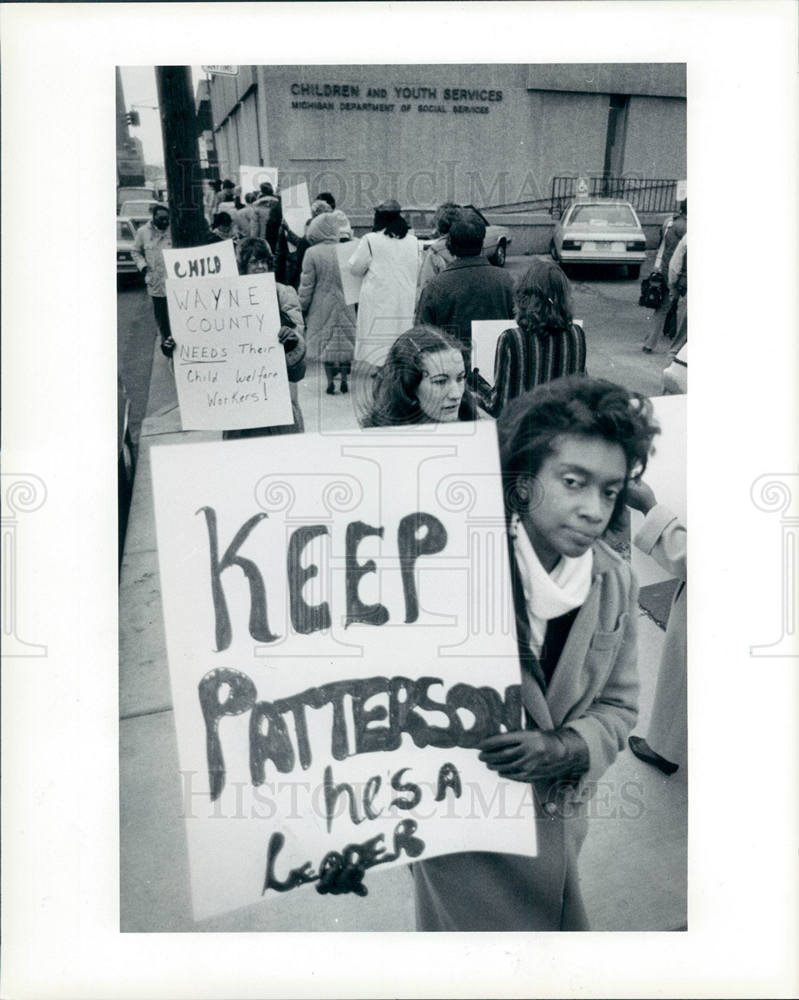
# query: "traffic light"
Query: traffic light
{"points": [[132, 118]]}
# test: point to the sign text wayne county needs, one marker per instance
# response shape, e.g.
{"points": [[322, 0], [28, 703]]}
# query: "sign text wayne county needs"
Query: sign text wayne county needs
{"points": [[339, 642], [230, 368]]}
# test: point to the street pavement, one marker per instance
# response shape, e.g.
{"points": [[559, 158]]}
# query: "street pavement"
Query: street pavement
{"points": [[633, 864]]}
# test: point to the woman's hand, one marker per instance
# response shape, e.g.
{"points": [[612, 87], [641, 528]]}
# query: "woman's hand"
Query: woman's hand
{"points": [[640, 496], [529, 754], [288, 338]]}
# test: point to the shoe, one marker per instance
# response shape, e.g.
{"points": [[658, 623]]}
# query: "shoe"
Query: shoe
{"points": [[344, 387], [644, 752], [331, 390], [647, 350]]}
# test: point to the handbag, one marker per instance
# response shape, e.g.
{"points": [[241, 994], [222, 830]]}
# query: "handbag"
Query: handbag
{"points": [[653, 291]]}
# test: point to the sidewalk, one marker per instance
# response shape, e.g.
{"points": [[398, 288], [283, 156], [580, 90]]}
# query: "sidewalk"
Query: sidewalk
{"points": [[633, 864]]}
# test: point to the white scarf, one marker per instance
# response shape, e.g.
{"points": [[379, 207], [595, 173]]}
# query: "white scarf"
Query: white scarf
{"points": [[548, 595]]}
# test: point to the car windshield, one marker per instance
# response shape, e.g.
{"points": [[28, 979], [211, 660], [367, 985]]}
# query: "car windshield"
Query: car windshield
{"points": [[135, 208], [124, 230], [603, 215]]}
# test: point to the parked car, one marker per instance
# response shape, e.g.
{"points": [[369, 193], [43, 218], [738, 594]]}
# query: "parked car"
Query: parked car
{"points": [[675, 377], [139, 211], [135, 193], [600, 231], [497, 238], [126, 233]]}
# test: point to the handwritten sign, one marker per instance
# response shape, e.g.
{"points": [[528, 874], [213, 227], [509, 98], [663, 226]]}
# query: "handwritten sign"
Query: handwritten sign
{"points": [[485, 334], [216, 260], [340, 638], [349, 282], [230, 368], [251, 178], [666, 474], [296, 207]]}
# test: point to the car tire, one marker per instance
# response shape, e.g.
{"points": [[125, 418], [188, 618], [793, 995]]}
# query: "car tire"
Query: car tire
{"points": [[498, 260], [633, 271]]}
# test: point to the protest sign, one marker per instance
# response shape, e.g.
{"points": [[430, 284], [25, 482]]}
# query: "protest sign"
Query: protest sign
{"points": [[217, 260], [485, 334], [230, 368], [349, 282], [666, 474], [251, 178], [296, 207], [324, 609]]}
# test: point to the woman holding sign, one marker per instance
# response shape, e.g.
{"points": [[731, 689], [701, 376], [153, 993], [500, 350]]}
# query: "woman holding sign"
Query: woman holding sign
{"points": [[568, 451], [256, 258], [545, 345]]}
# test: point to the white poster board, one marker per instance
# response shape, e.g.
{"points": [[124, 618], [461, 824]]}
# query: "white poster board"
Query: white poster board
{"points": [[666, 474], [485, 334], [230, 368], [296, 206], [340, 636], [251, 178], [350, 282], [214, 260]]}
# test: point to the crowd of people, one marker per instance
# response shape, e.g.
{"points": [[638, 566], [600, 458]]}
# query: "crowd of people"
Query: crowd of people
{"points": [[572, 450]]}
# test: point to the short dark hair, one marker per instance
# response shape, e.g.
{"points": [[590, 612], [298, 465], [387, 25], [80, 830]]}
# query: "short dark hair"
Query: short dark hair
{"points": [[682, 207], [466, 235], [531, 424], [446, 214], [254, 248], [221, 219], [228, 184], [157, 207], [326, 196], [266, 188], [395, 401]]}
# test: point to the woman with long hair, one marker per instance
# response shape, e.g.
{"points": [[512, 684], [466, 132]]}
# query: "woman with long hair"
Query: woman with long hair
{"points": [[422, 381], [546, 343]]}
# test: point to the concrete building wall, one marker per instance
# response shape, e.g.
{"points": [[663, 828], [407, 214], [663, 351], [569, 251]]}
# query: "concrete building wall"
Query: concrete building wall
{"points": [[524, 125], [655, 142]]}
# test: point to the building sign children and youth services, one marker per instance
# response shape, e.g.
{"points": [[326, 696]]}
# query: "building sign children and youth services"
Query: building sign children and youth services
{"points": [[422, 99], [331, 673]]}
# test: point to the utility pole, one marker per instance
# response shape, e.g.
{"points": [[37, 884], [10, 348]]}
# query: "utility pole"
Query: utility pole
{"points": [[181, 157]]}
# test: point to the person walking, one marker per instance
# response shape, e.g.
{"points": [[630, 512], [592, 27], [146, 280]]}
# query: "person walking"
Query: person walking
{"points": [[329, 321], [545, 344], [437, 256], [388, 260], [469, 289], [150, 240], [678, 280], [663, 317], [664, 537]]}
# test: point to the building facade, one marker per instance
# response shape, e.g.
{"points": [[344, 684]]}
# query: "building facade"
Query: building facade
{"points": [[489, 135]]}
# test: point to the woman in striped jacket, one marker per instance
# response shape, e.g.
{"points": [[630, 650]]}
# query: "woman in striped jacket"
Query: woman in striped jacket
{"points": [[545, 345]]}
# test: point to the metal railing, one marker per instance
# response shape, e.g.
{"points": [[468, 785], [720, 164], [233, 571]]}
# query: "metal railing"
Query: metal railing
{"points": [[644, 194]]}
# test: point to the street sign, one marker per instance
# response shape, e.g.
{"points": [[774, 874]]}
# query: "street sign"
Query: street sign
{"points": [[222, 70]]}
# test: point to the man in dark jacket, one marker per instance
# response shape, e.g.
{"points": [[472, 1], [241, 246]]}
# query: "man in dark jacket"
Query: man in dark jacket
{"points": [[663, 319], [467, 289]]}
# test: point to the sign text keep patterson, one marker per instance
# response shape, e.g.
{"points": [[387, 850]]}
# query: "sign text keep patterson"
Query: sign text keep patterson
{"points": [[338, 645]]}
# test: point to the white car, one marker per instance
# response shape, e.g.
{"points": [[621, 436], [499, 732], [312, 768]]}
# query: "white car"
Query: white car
{"points": [[600, 231]]}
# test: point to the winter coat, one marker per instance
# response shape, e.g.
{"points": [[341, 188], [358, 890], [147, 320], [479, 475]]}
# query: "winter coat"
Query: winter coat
{"points": [[329, 321], [594, 690], [147, 246], [469, 289], [389, 267]]}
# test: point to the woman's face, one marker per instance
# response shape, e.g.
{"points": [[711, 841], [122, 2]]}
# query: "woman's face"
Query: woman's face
{"points": [[573, 497], [257, 265], [443, 380]]}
